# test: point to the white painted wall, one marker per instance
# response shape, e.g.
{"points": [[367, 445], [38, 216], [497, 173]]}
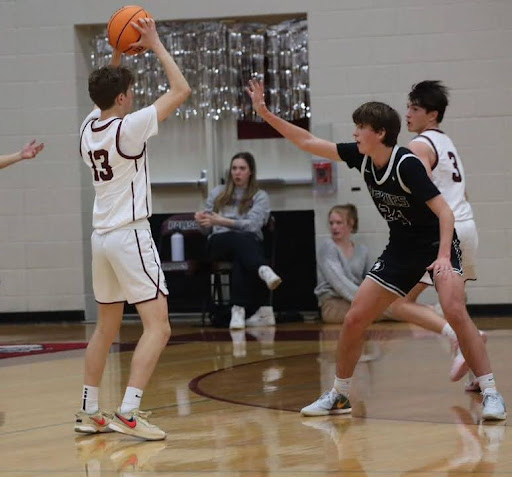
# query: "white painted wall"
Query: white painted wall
{"points": [[359, 50]]}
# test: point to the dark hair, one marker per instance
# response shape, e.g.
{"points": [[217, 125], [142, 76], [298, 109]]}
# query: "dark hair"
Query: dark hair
{"points": [[106, 83], [227, 196], [430, 95], [379, 116], [351, 211]]}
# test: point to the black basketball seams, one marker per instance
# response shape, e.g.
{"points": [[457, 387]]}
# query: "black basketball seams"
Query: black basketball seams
{"points": [[127, 23]]}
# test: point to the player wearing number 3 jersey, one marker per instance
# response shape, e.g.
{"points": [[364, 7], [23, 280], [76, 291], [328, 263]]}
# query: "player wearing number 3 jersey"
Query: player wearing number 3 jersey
{"points": [[425, 111], [125, 261], [440, 156]]}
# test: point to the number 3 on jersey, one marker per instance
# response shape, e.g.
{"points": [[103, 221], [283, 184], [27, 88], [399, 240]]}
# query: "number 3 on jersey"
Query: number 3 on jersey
{"points": [[105, 173], [456, 176]]}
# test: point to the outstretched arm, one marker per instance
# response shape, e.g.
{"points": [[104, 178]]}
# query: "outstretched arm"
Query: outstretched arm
{"points": [[179, 89], [300, 137], [29, 151]]}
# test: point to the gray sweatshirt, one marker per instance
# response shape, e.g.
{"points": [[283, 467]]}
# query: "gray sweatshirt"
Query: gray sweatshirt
{"points": [[252, 221], [337, 275]]}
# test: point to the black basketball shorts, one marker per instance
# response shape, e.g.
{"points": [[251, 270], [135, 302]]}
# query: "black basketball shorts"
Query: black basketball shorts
{"points": [[399, 268]]}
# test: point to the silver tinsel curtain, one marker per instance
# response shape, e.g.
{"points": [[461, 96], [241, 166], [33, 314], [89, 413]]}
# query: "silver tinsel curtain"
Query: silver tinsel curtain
{"points": [[218, 59]]}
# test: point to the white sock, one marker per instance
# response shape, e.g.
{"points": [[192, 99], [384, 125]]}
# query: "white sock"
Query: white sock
{"points": [[131, 400], [342, 386], [448, 332], [486, 381], [90, 399]]}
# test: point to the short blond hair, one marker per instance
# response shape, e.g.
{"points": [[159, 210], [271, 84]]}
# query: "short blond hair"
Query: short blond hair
{"points": [[351, 211]]}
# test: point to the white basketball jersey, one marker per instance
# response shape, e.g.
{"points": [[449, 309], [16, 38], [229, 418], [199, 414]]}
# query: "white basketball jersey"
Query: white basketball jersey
{"points": [[448, 172], [115, 150]]}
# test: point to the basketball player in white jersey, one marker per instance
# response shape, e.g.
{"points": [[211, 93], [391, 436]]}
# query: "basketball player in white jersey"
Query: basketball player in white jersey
{"points": [[125, 262], [28, 151], [425, 111]]}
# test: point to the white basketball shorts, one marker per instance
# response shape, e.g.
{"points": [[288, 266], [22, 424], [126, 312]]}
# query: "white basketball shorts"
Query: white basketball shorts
{"points": [[468, 237], [126, 267]]}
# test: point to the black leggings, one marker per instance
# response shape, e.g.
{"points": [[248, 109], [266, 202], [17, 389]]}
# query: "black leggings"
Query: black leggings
{"points": [[245, 251]]}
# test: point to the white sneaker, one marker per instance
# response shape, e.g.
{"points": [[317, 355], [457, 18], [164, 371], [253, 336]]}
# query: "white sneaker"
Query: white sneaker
{"points": [[237, 318], [135, 423], [329, 402], [269, 277], [264, 316], [493, 406], [92, 423]]}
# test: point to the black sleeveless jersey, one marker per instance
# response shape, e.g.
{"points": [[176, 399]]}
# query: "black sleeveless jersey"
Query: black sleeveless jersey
{"points": [[399, 191]]}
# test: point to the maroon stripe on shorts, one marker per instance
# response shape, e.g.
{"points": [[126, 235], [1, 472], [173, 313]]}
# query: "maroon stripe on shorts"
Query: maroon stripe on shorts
{"points": [[142, 261], [156, 261]]}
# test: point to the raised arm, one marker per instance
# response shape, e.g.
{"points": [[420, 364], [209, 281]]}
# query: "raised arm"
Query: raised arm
{"points": [[300, 137], [179, 89], [28, 151], [116, 58]]}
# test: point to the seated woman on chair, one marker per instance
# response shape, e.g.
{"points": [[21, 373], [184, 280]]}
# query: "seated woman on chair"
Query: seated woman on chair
{"points": [[234, 216]]}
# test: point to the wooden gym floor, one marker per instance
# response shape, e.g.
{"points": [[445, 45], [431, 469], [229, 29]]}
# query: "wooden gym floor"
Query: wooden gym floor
{"points": [[230, 403]]}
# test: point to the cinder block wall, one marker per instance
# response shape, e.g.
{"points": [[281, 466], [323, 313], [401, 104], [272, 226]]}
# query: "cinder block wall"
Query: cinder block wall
{"points": [[359, 50]]}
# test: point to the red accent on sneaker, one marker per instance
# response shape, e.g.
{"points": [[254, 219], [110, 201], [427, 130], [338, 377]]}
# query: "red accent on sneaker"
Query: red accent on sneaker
{"points": [[100, 422], [130, 423]]}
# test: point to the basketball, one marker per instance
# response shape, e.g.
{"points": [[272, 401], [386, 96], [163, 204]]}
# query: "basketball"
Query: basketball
{"points": [[120, 33]]}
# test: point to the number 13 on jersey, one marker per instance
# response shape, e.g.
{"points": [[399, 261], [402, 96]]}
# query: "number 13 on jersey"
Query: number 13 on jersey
{"points": [[101, 156]]}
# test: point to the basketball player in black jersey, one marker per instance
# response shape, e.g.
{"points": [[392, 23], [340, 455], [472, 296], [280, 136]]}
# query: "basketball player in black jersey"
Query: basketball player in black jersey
{"points": [[421, 226]]}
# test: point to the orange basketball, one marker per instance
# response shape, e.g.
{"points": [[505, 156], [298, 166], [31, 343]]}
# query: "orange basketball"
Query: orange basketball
{"points": [[120, 33]]}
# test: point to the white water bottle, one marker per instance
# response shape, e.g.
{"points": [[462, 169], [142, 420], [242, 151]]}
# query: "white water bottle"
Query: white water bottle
{"points": [[177, 247]]}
